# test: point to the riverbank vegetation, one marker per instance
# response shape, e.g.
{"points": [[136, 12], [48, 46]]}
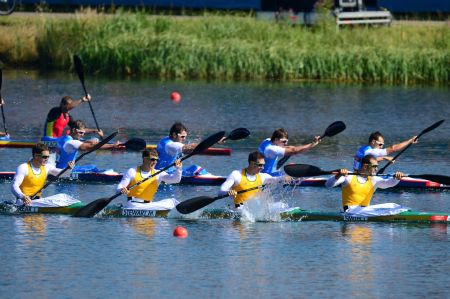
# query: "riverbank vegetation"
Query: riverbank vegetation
{"points": [[228, 47]]}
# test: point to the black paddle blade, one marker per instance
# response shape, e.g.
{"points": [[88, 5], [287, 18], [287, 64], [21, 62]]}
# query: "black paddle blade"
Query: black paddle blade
{"points": [[194, 204], [207, 143], [334, 129], [92, 208], [432, 127], [303, 170], [79, 67], [441, 179], [239, 133], [135, 144]]}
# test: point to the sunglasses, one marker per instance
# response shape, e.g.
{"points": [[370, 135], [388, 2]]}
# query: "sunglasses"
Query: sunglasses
{"points": [[380, 144], [152, 159], [284, 140], [80, 132], [259, 164], [44, 156], [373, 166], [181, 136]]}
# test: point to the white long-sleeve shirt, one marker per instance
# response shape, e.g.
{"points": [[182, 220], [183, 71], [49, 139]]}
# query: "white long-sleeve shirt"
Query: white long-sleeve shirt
{"points": [[22, 172], [378, 182], [171, 178], [235, 178]]}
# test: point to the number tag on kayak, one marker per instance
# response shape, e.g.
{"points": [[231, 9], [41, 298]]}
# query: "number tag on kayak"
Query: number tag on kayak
{"points": [[138, 213]]}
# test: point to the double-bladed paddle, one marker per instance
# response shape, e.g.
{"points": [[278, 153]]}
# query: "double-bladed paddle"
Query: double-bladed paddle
{"points": [[96, 147], [333, 129], [430, 128], [135, 144], [96, 206], [196, 203], [79, 68], [238, 134], [3, 112], [305, 170]]}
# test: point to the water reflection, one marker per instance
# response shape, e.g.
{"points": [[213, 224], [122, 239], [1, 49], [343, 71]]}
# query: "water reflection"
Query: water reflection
{"points": [[143, 226], [359, 239], [31, 228]]}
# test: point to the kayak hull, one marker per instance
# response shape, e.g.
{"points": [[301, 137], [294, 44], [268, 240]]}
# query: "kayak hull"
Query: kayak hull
{"points": [[294, 214], [298, 214], [68, 210]]}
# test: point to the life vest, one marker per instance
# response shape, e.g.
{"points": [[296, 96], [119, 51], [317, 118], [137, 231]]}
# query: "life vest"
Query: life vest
{"points": [[270, 166], [33, 182], [55, 128], [356, 193], [359, 156], [246, 184], [147, 189], [63, 157], [164, 158]]}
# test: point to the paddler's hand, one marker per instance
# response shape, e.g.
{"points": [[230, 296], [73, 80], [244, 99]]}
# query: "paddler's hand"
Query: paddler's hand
{"points": [[388, 158], [232, 193], [124, 191], [398, 175], [341, 172], [2, 102], [71, 164], [414, 140], [222, 140], [178, 163], [288, 179], [86, 98], [100, 133], [26, 200], [316, 141]]}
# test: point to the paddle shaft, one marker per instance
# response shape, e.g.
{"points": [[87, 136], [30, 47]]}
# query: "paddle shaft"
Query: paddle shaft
{"points": [[3, 112], [432, 127], [96, 147], [80, 72]]}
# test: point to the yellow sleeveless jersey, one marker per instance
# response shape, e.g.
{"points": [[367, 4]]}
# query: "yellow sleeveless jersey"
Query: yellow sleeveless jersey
{"points": [[356, 193], [146, 190], [246, 184], [33, 182]]}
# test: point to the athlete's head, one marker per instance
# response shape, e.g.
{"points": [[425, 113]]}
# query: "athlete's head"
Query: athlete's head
{"points": [[40, 153], [77, 129], [66, 103], [369, 165], [255, 162], [279, 137], [178, 132], [376, 140], [150, 156]]}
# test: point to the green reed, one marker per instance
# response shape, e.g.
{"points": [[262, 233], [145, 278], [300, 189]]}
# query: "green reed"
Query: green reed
{"points": [[239, 47]]}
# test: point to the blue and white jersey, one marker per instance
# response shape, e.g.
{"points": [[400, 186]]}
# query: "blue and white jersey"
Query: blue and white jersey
{"points": [[364, 151], [272, 153], [68, 150], [168, 151]]}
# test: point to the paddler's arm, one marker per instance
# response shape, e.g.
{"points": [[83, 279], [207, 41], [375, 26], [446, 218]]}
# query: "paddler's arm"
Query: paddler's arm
{"points": [[341, 177], [126, 179], [188, 148], [174, 177], [21, 172], [232, 179], [55, 171], [399, 146], [268, 179], [293, 150], [383, 182]]}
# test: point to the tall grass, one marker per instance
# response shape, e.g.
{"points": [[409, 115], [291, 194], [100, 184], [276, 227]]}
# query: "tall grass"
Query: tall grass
{"points": [[231, 47]]}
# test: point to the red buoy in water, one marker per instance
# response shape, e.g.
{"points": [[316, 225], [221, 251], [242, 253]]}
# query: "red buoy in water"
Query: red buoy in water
{"points": [[180, 232], [175, 97]]}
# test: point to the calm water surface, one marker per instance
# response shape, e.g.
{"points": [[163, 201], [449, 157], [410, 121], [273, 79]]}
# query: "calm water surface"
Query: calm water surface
{"points": [[60, 256]]}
